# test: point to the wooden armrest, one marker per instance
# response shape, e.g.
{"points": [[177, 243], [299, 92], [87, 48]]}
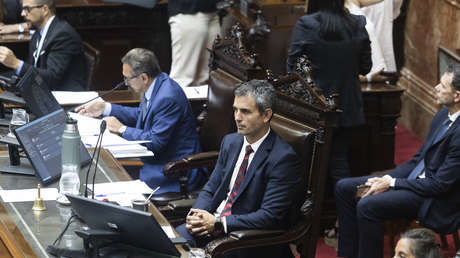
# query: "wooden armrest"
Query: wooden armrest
{"points": [[200, 160], [255, 233]]}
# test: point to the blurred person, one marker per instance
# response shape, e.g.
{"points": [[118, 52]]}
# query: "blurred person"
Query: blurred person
{"points": [[418, 243]]}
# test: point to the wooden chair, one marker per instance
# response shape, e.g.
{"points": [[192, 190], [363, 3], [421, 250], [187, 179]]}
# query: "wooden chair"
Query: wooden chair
{"points": [[92, 56]]}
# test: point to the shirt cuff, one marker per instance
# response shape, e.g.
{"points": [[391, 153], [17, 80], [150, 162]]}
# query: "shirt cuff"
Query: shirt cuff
{"points": [[224, 223], [18, 71], [392, 180], [107, 109]]}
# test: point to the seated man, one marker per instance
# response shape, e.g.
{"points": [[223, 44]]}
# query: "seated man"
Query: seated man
{"points": [[254, 181], [426, 188], [55, 49], [164, 118]]}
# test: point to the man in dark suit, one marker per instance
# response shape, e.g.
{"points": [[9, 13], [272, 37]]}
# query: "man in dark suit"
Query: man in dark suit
{"points": [[164, 118], [55, 49], [255, 178], [426, 188]]}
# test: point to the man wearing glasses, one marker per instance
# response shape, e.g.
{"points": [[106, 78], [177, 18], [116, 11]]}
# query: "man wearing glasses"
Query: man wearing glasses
{"points": [[164, 118], [55, 49]]}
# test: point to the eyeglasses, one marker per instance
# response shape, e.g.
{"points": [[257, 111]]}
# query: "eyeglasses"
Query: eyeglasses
{"points": [[27, 9], [127, 79]]}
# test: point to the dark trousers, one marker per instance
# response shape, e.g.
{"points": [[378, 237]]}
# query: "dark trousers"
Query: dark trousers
{"points": [[361, 228]]}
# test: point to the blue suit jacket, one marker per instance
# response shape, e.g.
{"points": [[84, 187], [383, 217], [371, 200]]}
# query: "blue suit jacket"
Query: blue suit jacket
{"points": [[169, 126], [441, 187], [267, 190]]}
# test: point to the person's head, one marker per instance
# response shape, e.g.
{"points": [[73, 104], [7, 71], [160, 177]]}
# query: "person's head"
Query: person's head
{"points": [[417, 243], [253, 108], [37, 12], [448, 89], [140, 67]]}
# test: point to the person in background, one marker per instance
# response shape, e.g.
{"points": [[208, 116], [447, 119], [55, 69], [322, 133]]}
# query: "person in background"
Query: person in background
{"points": [[55, 50], [418, 243], [164, 118], [11, 20], [194, 26]]}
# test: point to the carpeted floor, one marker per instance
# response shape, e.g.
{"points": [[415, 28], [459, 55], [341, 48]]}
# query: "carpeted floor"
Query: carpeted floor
{"points": [[406, 145]]}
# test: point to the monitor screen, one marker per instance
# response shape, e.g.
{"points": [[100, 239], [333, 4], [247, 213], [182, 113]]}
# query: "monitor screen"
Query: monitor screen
{"points": [[136, 228], [36, 94], [41, 140]]}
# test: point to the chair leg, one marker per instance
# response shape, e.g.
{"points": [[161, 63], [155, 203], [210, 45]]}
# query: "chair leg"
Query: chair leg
{"points": [[444, 244], [456, 241]]}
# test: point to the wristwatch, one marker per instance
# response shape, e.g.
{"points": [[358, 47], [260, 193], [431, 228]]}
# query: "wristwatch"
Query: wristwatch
{"points": [[122, 129], [218, 226], [20, 28]]}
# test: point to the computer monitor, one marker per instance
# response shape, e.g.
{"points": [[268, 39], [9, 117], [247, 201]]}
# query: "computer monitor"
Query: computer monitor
{"points": [[36, 93], [135, 228], [42, 140]]}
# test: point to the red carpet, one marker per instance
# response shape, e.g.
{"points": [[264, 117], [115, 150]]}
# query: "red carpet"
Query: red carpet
{"points": [[406, 145]]}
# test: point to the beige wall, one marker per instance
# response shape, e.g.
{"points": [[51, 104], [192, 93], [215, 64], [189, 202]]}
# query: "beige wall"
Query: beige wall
{"points": [[429, 24]]}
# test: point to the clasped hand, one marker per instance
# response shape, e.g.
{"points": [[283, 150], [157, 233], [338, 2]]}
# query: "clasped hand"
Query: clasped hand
{"points": [[200, 222], [377, 185]]}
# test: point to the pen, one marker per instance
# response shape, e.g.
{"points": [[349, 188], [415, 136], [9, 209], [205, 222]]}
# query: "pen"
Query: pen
{"points": [[105, 195], [154, 190], [197, 92]]}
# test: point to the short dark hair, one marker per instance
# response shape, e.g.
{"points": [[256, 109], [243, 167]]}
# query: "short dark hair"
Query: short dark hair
{"points": [[262, 91], [423, 243], [50, 3], [142, 60], [455, 70]]}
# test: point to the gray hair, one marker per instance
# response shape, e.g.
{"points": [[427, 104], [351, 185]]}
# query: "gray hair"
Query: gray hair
{"points": [[423, 243], [142, 60], [262, 91], [455, 70], [50, 3]]}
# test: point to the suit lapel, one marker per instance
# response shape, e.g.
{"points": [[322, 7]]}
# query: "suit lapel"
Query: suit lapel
{"points": [[259, 157], [46, 40], [451, 129], [156, 87]]}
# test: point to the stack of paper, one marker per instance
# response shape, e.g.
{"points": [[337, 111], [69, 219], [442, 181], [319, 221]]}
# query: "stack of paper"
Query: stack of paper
{"points": [[196, 92], [74, 97], [121, 192], [119, 147]]}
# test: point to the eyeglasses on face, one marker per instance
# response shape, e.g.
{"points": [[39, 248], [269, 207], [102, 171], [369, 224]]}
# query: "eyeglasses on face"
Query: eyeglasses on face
{"points": [[27, 9], [127, 79]]}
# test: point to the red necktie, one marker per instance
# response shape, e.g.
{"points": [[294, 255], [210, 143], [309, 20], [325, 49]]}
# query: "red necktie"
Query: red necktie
{"points": [[239, 178]]}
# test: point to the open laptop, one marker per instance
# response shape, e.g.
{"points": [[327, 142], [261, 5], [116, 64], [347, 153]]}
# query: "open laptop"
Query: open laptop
{"points": [[136, 228]]}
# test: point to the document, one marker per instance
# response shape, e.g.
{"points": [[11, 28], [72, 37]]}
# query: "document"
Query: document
{"points": [[169, 231], [122, 192], [28, 195], [196, 92], [74, 97]]}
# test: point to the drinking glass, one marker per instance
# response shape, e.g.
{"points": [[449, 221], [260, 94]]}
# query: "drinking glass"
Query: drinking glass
{"points": [[19, 118]]}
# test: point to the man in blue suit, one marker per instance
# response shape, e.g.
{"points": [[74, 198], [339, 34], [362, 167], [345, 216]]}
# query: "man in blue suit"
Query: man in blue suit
{"points": [[426, 188], [255, 178], [164, 118]]}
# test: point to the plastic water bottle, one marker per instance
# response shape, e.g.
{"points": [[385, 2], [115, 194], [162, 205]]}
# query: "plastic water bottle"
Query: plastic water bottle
{"points": [[70, 179]]}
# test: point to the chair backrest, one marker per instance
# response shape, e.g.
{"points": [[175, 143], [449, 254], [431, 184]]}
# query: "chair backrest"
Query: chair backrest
{"points": [[92, 56], [219, 118]]}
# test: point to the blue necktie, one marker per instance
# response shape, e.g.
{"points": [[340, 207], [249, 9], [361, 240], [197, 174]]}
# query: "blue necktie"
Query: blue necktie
{"points": [[421, 165], [144, 108]]}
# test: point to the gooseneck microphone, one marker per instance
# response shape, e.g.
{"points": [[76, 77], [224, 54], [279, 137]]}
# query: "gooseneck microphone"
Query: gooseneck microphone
{"points": [[118, 86], [98, 143], [98, 149]]}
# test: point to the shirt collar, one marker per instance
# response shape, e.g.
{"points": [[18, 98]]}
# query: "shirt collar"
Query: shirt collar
{"points": [[148, 93], [47, 24], [257, 144], [454, 116]]}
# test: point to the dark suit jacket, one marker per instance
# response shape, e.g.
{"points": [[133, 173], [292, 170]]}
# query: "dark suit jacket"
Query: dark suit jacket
{"points": [[336, 64], [267, 190], [169, 127], [441, 186], [62, 64]]}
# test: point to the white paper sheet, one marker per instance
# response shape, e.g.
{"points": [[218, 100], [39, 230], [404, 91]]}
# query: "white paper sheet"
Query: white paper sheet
{"points": [[169, 231], [122, 192], [196, 92], [28, 195], [74, 97]]}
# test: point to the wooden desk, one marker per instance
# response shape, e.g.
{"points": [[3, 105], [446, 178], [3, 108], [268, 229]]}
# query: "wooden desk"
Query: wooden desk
{"points": [[25, 233], [15, 38]]}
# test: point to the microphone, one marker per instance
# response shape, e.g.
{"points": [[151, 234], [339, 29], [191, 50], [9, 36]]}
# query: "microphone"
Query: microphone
{"points": [[98, 142], [119, 85], [8, 83], [103, 126]]}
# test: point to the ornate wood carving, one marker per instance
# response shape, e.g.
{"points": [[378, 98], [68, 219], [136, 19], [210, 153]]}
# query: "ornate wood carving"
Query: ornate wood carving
{"points": [[234, 55]]}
